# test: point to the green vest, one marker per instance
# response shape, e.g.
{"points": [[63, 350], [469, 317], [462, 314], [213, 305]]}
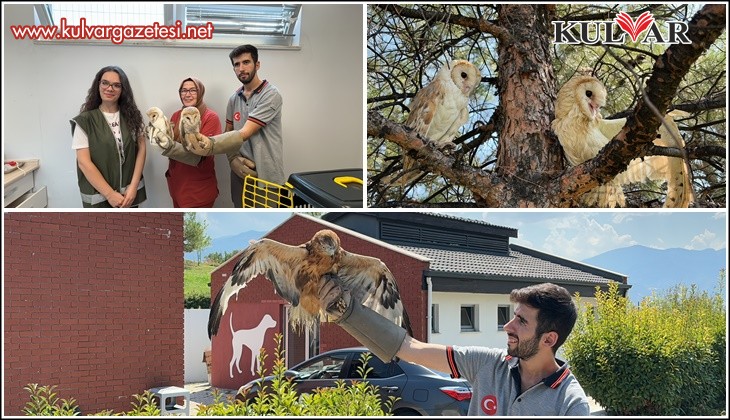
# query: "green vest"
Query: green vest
{"points": [[105, 155]]}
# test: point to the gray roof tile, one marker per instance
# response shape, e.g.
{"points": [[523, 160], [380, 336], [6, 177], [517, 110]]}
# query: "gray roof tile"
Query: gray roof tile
{"points": [[518, 265]]}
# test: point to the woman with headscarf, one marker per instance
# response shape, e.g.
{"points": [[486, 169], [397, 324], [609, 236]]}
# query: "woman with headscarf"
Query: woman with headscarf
{"points": [[194, 186]]}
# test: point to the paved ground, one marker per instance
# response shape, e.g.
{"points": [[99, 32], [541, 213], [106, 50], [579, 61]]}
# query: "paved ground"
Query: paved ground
{"points": [[202, 393]]}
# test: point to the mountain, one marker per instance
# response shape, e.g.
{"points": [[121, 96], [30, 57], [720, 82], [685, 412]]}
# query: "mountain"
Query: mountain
{"points": [[227, 244], [659, 269]]}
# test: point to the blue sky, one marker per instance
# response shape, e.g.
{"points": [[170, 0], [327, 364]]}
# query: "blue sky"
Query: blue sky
{"points": [[576, 235]]}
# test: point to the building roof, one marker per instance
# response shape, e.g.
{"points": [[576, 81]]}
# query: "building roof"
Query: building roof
{"points": [[522, 263]]}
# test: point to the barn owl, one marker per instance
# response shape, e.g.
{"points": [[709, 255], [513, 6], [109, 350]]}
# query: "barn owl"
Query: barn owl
{"points": [[296, 272], [583, 132], [159, 129], [189, 127], [439, 110]]}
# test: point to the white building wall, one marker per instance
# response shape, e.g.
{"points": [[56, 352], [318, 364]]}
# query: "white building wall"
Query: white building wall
{"points": [[196, 341], [487, 333]]}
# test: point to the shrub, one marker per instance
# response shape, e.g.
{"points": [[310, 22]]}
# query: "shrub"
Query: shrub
{"points": [[663, 357], [281, 399], [43, 402], [197, 301]]}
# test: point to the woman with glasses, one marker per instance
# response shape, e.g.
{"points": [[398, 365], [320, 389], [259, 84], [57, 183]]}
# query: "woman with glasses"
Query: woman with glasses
{"points": [[108, 136], [193, 186]]}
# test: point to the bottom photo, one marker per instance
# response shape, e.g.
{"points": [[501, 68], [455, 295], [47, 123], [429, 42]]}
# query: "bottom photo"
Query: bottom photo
{"points": [[365, 313]]}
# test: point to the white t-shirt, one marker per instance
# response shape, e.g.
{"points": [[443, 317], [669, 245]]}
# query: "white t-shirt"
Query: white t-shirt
{"points": [[81, 140]]}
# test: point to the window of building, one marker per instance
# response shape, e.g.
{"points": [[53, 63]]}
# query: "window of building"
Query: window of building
{"points": [[469, 317], [263, 25], [434, 318], [504, 314]]}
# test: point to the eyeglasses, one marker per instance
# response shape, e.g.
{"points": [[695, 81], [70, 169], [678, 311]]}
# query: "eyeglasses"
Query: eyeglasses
{"points": [[190, 91], [116, 86]]}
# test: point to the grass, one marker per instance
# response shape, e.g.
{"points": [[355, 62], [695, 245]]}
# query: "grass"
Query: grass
{"points": [[197, 278]]}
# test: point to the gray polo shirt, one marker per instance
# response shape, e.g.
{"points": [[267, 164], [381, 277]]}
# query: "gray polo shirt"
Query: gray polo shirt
{"points": [[266, 147], [495, 381]]}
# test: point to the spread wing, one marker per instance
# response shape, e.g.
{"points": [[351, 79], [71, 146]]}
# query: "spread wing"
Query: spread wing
{"points": [[371, 283], [276, 261]]}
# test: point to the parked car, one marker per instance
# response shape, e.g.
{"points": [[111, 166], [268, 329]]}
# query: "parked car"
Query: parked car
{"points": [[422, 391]]}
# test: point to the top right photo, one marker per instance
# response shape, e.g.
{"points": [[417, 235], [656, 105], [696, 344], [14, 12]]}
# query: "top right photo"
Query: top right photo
{"points": [[546, 106]]}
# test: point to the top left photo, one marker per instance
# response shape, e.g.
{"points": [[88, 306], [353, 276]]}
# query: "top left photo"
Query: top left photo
{"points": [[156, 105]]}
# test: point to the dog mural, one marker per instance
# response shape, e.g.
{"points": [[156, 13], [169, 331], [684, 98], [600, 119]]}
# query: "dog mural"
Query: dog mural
{"points": [[253, 339]]}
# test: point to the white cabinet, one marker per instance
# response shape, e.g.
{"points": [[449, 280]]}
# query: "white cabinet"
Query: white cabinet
{"points": [[20, 188]]}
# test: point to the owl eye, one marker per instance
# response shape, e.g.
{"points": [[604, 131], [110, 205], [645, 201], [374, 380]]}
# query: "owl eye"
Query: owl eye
{"points": [[464, 75], [589, 93]]}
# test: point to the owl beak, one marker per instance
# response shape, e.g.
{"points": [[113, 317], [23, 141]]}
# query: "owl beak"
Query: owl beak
{"points": [[594, 109]]}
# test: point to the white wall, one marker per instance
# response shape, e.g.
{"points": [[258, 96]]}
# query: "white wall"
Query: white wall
{"points": [[322, 86], [450, 319], [488, 335], [196, 341]]}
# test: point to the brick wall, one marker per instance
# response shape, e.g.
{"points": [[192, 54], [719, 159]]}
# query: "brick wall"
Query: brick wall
{"points": [[93, 304], [298, 230]]}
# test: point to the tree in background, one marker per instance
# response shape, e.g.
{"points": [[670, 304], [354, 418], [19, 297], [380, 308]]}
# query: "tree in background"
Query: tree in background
{"points": [[195, 237], [508, 155]]}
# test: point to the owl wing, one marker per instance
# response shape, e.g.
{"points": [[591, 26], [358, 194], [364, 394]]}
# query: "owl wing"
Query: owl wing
{"points": [[278, 262], [424, 107], [157, 130], [372, 284], [610, 128]]}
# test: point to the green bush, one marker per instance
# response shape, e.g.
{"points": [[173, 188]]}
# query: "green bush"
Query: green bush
{"points": [[664, 356], [44, 402], [280, 398], [197, 301]]}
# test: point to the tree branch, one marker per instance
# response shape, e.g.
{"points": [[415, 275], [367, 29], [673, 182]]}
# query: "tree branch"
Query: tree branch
{"points": [[482, 185], [481, 24]]}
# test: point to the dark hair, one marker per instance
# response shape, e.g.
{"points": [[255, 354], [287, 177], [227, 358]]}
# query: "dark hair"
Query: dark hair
{"points": [[556, 310], [242, 49], [127, 107]]}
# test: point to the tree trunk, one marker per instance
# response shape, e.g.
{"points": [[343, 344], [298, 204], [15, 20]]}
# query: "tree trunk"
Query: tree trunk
{"points": [[527, 150]]}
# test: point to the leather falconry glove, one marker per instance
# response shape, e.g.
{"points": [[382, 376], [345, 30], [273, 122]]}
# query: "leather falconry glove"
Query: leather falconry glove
{"points": [[374, 331]]}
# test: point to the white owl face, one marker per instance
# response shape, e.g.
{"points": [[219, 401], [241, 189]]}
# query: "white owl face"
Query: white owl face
{"points": [[153, 114], [465, 76], [591, 97], [190, 120], [586, 93]]}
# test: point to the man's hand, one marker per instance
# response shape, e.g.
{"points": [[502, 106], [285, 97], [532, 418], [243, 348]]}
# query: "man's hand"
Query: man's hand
{"points": [[199, 144], [242, 167], [332, 297]]}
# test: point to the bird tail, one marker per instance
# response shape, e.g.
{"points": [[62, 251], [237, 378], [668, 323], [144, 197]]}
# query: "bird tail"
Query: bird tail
{"points": [[406, 176], [679, 184], [678, 175]]}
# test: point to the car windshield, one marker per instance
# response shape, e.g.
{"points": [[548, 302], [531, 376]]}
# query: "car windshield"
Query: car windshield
{"points": [[327, 367]]}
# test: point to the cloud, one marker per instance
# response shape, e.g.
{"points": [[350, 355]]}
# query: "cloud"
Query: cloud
{"points": [[706, 240], [578, 237]]}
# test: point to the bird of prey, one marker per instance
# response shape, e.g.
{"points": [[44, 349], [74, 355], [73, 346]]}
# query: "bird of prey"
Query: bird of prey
{"points": [[583, 132], [159, 129], [439, 110], [296, 271], [189, 127]]}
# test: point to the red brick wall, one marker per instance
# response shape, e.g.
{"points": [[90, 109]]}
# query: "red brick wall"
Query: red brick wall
{"points": [[298, 230], [93, 304]]}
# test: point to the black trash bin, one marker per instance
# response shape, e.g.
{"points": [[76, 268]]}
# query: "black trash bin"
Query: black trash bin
{"points": [[330, 189]]}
